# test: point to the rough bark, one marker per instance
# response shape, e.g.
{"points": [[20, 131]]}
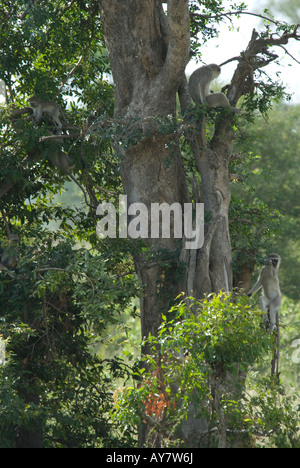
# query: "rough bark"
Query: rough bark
{"points": [[148, 53]]}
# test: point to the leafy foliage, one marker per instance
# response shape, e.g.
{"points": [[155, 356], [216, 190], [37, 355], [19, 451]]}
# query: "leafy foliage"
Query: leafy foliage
{"points": [[51, 303], [66, 287], [199, 346]]}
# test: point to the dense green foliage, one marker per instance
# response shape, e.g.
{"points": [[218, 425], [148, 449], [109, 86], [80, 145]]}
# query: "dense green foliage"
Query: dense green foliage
{"points": [[199, 346], [65, 287]]}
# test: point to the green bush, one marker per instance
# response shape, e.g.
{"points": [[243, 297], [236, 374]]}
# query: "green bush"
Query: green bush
{"points": [[201, 357]]}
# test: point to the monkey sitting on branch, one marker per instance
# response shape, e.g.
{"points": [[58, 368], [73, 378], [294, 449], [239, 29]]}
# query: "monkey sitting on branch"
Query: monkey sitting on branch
{"points": [[59, 158], [270, 299], [199, 87], [49, 107]]}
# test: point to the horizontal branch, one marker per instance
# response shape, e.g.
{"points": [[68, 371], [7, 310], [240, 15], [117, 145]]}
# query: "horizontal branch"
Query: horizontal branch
{"points": [[55, 138], [243, 12]]}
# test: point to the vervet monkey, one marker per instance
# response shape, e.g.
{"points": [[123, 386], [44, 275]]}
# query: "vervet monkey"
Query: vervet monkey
{"points": [[200, 81], [220, 100], [58, 158], [270, 299], [61, 160], [217, 100], [10, 253], [52, 108]]}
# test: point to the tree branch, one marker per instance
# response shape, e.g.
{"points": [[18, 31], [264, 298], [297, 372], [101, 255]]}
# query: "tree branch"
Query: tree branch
{"points": [[68, 75], [287, 52], [257, 55], [242, 12]]}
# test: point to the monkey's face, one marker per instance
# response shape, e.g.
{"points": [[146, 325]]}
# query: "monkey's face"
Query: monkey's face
{"points": [[34, 101], [216, 70], [273, 260]]}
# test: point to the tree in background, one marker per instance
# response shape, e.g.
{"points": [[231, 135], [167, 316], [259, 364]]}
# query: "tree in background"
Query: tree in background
{"points": [[272, 177]]}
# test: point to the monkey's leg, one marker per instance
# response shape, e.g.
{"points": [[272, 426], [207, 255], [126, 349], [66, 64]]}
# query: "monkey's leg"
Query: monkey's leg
{"points": [[264, 305], [274, 310], [57, 122]]}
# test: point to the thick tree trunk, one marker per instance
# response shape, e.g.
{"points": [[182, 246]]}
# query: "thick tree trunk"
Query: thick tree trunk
{"points": [[152, 173], [148, 54]]}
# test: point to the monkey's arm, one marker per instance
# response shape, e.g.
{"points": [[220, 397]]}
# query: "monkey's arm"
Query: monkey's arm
{"points": [[37, 114], [256, 287]]}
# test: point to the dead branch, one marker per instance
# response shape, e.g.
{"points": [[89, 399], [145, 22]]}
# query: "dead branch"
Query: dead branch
{"points": [[258, 54]]}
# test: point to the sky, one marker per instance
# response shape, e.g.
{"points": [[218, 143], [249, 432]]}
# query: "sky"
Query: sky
{"points": [[232, 43]]}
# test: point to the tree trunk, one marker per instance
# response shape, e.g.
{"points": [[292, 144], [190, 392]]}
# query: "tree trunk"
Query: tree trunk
{"points": [[213, 271], [148, 53], [148, 67]]}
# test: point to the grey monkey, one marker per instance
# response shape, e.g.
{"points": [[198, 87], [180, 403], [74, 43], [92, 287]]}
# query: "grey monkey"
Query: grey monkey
{"points": [[63, 161], [217, 100], [199, 87], [270, 299], [220, 100], [49, 107], [200, 81], [59, 158]]}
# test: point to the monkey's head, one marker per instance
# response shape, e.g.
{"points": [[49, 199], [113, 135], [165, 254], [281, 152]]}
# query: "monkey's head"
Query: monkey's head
{"points": [[34, 101], [216, 70], [274, 259]]}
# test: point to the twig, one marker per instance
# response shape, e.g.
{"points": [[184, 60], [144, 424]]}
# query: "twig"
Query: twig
{"points": [[237, 13], [69, 74], [287, 52]]}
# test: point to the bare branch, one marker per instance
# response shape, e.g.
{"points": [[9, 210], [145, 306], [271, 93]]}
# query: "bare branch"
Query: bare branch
{"points": [[56, 138], [257, 55], [228, 14], [242, 12], [69, 74], [287, 52]]}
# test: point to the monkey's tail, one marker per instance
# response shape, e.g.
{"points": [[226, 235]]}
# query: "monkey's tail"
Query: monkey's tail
{"points": [[82, 189]]}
